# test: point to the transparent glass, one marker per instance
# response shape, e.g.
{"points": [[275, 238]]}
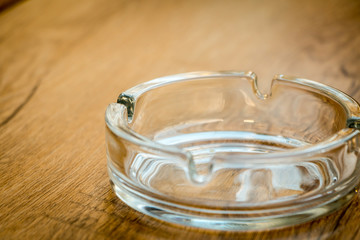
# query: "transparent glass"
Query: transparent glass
{"points": [[208, 149]]}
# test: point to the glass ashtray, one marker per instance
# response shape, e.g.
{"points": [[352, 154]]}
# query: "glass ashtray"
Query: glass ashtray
{"points": [[208, 149]]}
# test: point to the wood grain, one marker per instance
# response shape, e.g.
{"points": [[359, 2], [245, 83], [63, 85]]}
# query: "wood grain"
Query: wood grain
{"points": [[62, 62]]}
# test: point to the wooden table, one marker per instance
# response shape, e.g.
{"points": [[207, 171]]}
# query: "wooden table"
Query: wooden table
{"points": [[63, 61]]}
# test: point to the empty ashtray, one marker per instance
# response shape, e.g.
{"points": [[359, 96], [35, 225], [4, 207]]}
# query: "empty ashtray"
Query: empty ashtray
{"points": [[208, 149]]}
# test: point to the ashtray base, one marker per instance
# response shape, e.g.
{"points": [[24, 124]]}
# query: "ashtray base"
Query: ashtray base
{"points": [[228, 221]]}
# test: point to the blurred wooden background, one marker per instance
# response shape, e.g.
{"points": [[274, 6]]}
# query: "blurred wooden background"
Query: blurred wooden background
{"points": [[63, 61]]}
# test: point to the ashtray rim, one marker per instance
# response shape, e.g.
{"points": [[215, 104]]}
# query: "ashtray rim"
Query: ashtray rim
{"points": [[128, 98]]}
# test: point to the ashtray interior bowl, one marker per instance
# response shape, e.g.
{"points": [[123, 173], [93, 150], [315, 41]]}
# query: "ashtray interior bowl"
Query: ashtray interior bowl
{"points": [[208, 149]]}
